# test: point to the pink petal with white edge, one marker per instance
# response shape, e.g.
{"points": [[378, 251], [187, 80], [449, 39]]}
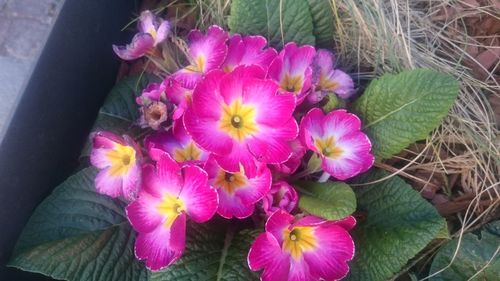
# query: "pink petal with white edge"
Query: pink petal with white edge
{"points": [[311, 128], [99, 158], [340, 122], [293, 163], [271, 108], [162, 32], [163, 141], [347, 223], [297, 60], [207, 134], [143, 214], [300, 271], [132, 182], [141, 44], [239, 155], [271, 145], [163, 246], [231, 206], [277, 223], [257, 187], [329, 261], [256, 53], [266, 254], [200, 198], [210, 47], [234, 85], [165, 178], [187, 77], [344, 84], [107, 184], [146, 21], [103, 139]]}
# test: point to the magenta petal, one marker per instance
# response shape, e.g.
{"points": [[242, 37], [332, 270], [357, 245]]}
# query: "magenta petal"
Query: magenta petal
{"points": [[103, 139], [311, 127], [257, 186], [238, 155], [99, 159], [200, 198], [142, 213], [300, 271], [141, 44], [165, 178], [277, 223], [266, 254], [347, 223], [206, 133], [132, 182], [163, 246], [210, 48], [107, 184], [231, 206], [340, 122], [330, 260]]}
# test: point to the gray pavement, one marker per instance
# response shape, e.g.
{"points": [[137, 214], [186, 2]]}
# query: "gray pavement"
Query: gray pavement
{"points": [[24, 27]]}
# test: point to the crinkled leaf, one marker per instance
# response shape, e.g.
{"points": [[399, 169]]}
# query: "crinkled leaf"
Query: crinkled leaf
{"points": [[213, 252], [398, 110], [262, 17], [78, 234], [329, 200], [473, 256], [120, 111], [322, 16], [398, 224]]}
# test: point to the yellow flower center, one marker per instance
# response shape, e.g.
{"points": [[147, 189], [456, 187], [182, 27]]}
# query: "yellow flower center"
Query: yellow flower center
{"points": [[170, 207], [326, 84], [238, 120], [292, 83], [121, 159], [153, 33], [190, 152], [197, 66], [328, 148], [229, 182], [298, 240]]}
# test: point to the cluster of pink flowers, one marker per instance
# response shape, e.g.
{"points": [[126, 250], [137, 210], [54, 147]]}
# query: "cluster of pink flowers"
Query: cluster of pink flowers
{"points": [[228, 131]]}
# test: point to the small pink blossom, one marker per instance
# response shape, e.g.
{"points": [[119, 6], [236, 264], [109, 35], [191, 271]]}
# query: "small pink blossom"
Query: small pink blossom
{"points": [[152, 31], [310, 249], [327, 80], [248, 50], [292, 70], [282, 196], [344, 150], [238, 192], [240, 117], [118, 159], [168, 196]]}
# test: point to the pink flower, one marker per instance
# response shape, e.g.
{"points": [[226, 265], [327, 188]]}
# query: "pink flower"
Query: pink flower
{"points": [[119, 162], [152, 31], [240, 118], [238, 193], [169, 194], [326, 79], [344, 150], [292, 69], [293, 163], [177, 143], [282, 196], [309, 249], [247, 51], [153, 92], [179, 93], [206, 52]]}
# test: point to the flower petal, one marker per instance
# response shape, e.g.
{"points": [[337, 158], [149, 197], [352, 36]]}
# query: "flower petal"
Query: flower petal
{"points": [[266, 254], [107, 184], [165, 178], [277, 223], [208, 51], [311, 128], [142, 213], [132, 182], [141, 44], [329, 260], [163, 246], [200, 198], [230, 205]]}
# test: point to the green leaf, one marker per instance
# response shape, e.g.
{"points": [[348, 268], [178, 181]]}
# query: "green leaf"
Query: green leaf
{"points": [[120, 111], [329, 200], [262, 17], [473, 256], [213, 252], [399, 223], [398, 110], [322, 16], [78, 234]]}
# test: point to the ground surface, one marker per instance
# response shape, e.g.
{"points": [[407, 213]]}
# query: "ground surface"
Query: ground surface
{"points": [[24, 27]]}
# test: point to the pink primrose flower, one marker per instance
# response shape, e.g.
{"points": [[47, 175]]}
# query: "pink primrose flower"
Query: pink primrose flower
{"points": [[282, 196], [248, 50]]}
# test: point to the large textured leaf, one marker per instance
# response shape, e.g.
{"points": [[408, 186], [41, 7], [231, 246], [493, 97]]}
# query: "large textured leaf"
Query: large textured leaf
{"points": [[398, 225], [213, 252], [329, 200], [473, 257], [398, 110], [322, 15], [78, 234], [291, 22]]}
